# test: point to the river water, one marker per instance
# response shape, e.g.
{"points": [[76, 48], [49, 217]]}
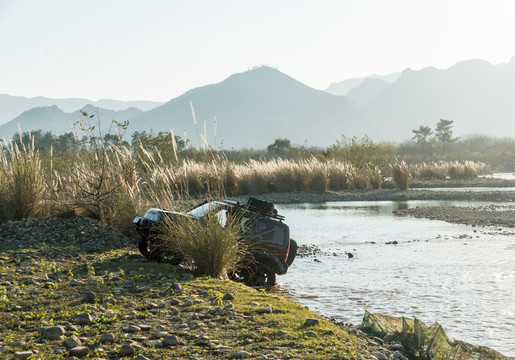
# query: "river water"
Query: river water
{"points": [[459, 276]]}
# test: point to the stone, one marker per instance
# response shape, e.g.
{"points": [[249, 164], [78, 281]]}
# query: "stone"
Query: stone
{"points": [[126, 350], [133, 329], [171, 340], [79, 351], [89, 297], [144, 327], [108, 301], [228, 296], [379, 356], [84, 319], [22, 355], [72, 342], [106, 339], [53, 332], [154, 343], [221, 348], [266, 310], [281, 333], [311, 322], [141, 357], [176, 287], [240, 355]]}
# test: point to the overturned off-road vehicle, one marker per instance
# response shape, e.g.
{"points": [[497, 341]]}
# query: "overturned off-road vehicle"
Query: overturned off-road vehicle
{"points": [[273, 251]]}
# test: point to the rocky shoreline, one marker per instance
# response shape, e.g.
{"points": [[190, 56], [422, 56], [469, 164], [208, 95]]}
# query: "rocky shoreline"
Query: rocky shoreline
{"points": [[71, 288]]}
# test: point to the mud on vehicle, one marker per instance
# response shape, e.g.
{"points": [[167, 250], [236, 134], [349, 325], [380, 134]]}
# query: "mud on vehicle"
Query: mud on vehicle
{"points": [[273, 251]]}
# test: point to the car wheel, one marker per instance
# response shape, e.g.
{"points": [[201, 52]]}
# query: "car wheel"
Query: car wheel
{"points": [[292, 253], [262, 276], [143, 246]]}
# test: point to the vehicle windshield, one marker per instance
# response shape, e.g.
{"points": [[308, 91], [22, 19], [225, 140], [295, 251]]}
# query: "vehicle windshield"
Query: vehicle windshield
{"points": [[205, 209], [152, 215]]}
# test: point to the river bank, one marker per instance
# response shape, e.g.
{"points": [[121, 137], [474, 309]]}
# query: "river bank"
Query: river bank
{"points": [[435, 190], [71, 288]]}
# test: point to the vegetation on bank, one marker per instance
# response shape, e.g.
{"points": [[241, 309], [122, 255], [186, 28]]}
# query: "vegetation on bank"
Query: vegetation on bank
{"points": [[104, 176]]}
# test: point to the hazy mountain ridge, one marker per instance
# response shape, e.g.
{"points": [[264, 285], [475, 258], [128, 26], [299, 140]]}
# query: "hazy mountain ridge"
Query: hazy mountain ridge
{"points": [[255, 107], [473, 93], [13, 106], [346, 86], [52, 118]]}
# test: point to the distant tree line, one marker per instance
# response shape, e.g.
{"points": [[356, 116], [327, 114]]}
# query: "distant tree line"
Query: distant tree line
{"points": [[427, 145]]}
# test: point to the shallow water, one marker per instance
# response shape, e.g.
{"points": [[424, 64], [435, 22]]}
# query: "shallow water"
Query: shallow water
{"points": [[460, 276]]}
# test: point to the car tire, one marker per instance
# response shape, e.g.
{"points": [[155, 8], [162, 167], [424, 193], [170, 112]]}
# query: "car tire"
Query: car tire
{"points": [[154, 253], [143, 246], [292, 253], [261, 276]]}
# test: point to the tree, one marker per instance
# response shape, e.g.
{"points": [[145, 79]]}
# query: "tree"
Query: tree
{"points": [[422, 134], [280, 147], [444, 132]]}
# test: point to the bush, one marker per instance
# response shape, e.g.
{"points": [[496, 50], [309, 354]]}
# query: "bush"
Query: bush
{"points": [[212, 249], [317, 180], [400, 175], [21, 183], [376, 179], [338, 177]]}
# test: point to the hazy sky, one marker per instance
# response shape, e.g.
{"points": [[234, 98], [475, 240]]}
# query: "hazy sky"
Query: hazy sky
{"points": [[157, 50]]}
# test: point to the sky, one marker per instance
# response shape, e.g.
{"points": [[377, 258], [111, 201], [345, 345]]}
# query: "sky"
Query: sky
{"points": [[157, 50]]}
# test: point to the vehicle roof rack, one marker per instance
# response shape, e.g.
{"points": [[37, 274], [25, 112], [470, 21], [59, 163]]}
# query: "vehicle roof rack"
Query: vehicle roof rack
{"points": [[265, 208]]}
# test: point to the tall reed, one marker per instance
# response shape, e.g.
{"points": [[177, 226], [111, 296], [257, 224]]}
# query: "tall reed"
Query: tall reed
{"points": [[400, 175], [21, 182]]}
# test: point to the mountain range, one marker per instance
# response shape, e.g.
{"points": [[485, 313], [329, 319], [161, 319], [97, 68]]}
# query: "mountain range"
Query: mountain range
{"points": [[257, 106], [13, 106]]}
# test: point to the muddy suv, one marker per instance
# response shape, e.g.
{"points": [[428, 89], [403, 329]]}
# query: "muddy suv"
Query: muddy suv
{"points": [[273, 249]]}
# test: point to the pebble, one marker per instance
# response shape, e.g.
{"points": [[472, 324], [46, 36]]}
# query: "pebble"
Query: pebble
{"points": [[126, 350], [84, 319], [240, 355], [106, 339], [79, 351], [311, 322], [22, 355], [53, 332], [171, 340], [72, 342]]}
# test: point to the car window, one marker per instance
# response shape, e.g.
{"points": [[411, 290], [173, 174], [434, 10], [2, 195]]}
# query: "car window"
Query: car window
{"points": [[272, 232], [203, 210], [152, 215]]}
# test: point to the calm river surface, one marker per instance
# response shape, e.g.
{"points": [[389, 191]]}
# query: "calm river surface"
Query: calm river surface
{"points": [[460, 276]]}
